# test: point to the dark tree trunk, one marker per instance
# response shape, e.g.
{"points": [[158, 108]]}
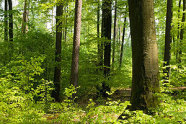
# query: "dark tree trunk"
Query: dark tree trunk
{"points": [[76, 43], [145, 68], [10, 22], [57, 69], [182, 32], [114, 37], [123, 40], [106, 33], [178, 36], [168, 39], [25, 18], [6, 22]]}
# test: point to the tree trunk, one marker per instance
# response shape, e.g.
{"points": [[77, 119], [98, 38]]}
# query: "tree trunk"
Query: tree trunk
{"points": [[182, 32], [76, 43], [144, 54], [168, 39], [10, 22], [25, 18], [119, 33], [100, 42], [66, 17], [123, 40], [178, 36], [6, 22], [114, 37], [57, 69], [106, 33]]}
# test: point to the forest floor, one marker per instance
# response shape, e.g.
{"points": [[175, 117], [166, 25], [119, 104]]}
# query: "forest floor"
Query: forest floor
{"points": [[120, 94]]}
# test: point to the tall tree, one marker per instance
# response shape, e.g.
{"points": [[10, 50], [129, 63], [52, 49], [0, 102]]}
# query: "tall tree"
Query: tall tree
{"points": [[10, 21], [76, 43], [106, 33], [57, 69], [122, 44], [182, 31], [168, 38], [144, 54], [100, 44], [178, 35], [66, 20], [25, 17], [6, 21], [114, 37]]}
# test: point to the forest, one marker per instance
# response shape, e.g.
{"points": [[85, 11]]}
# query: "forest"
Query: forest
{"points": [[92, 61]]}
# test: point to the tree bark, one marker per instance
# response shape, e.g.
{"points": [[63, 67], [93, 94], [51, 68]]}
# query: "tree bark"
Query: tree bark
{"points": [[178, 36], [100, 46], [6, 21], [25, 18], [10, 22], [123, 40], [182, 32], [168, 39], [76, 43], [144, 54], [106, 33], [57, 69], [66, 25], [114, 37]]}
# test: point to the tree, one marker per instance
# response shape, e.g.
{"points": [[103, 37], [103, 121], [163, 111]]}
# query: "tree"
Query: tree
{"points": [[76, 43], [178, 35], [6, 21], [114, 37], [168, 38], [106, 33], [25, 18], [57, 69], [100, 44], [10, 21], [66, 20], [182, 31], [144, 55], [122, 44]]}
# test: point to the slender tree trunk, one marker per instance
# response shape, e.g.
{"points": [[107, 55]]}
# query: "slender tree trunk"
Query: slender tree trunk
{"points": [[178, 36], [144, 55], [119, 33], [10, 29], [168, 38], [106, 33], [25, 17], [76, 43], [57, 69], [6, 21], [182, 32], [100, 42], [66, 17], [123, 40], [114, 37], [10, 21]]}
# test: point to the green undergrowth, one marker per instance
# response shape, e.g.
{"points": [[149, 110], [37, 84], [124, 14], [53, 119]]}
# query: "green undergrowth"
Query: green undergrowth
{"points": [[18, 107], [25, 99]]}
